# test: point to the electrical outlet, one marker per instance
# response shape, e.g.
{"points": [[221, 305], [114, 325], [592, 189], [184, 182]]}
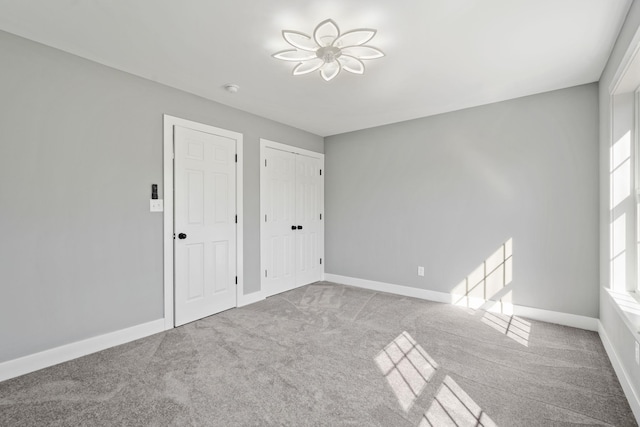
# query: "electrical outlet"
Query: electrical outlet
{"points": [[637, 353], [420, 271]]}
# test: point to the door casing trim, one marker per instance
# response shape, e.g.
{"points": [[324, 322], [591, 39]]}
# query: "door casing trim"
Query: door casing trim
{"points": [[167, 235]]}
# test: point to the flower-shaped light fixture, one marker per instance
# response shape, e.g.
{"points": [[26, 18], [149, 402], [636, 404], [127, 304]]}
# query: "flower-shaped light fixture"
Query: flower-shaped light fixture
{"points": [[328, 50]]}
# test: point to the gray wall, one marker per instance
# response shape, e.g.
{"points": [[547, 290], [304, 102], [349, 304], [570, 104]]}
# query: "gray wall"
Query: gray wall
{"points": [[81, 144], [446, 191], [622, 338]]}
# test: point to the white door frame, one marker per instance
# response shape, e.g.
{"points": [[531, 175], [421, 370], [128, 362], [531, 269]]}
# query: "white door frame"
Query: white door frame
{"points": [[169, 123], [265, 143]]}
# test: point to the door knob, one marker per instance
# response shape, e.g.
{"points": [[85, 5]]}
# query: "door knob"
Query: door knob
{"points": [[293, 227], [182, 236], [299, 227]]}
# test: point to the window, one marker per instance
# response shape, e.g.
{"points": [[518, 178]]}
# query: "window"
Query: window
{"points": [[623, 203], [624, 180]]}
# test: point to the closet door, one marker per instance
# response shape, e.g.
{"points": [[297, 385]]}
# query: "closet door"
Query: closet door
{"points": [[277, 195], [308, 222], [292, 236]]}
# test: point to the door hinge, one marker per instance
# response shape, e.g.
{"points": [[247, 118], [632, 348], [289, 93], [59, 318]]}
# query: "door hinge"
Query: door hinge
{"points": [[320, 261], [236, 280], [236, 158], [321, 172], [320, 216], [265, 163], [265, 273], [265, 218], [236, 219]]}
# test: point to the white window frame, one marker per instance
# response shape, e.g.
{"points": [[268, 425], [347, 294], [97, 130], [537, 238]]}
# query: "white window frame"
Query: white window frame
{"points": [[626, 81], [635, 287]]}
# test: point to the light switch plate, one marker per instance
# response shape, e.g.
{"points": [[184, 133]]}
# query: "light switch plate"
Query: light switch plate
{"points": [[420, 270], [156, 205]]}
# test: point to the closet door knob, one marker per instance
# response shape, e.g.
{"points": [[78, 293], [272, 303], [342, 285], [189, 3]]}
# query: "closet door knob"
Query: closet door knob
{"points": [[182, 236], [299, 227], [293, 227]]}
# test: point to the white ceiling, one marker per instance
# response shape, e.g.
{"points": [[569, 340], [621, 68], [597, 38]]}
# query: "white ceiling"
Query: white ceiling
{"points": [[441, 55]]}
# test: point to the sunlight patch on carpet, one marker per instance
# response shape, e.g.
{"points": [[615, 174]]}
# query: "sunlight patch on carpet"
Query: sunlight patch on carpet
{"points": [[453, 407], [407, 368], [514, 327]]}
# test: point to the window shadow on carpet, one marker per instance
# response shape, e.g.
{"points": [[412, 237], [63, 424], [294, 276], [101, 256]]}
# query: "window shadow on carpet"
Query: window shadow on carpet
{"points": [[453, 407], [514, 327], [407, 368]]}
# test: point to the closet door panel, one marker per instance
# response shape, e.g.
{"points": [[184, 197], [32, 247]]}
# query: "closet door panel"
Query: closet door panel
{"points": [[308, 211], [278, 237]]}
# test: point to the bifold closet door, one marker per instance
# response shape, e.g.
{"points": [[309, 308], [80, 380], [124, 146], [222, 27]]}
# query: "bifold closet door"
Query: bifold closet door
{"points": [[292, 232], [278, 189], [308, 227]]}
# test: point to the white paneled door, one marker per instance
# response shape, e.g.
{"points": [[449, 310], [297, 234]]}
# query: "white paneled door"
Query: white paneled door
{"points": [[291, 234], [279, 223], [205, 224], [309, 231]]}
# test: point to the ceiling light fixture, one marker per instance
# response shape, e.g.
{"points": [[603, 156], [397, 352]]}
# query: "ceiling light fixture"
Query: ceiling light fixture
{"points": [[329, 50]]}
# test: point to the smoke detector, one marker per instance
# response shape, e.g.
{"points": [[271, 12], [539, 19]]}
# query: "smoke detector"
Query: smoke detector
{"points": [[231, 88]]}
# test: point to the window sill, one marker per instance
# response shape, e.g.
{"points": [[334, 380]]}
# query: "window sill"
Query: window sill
{"points": [[628, 306]]}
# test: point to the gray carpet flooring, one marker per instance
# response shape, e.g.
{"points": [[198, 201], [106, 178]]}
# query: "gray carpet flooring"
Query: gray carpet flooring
{"points": [[333, 355]]}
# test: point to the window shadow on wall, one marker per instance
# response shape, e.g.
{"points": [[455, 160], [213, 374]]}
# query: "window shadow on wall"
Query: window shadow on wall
{"points": [[486, 282], [488, 290]]}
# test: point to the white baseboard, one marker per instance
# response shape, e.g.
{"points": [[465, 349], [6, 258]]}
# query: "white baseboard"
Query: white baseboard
{"points": [[623, 377], [390, 288], [573, 320], [559, 318], [33, 362], [250, 298], [44, 359]]}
